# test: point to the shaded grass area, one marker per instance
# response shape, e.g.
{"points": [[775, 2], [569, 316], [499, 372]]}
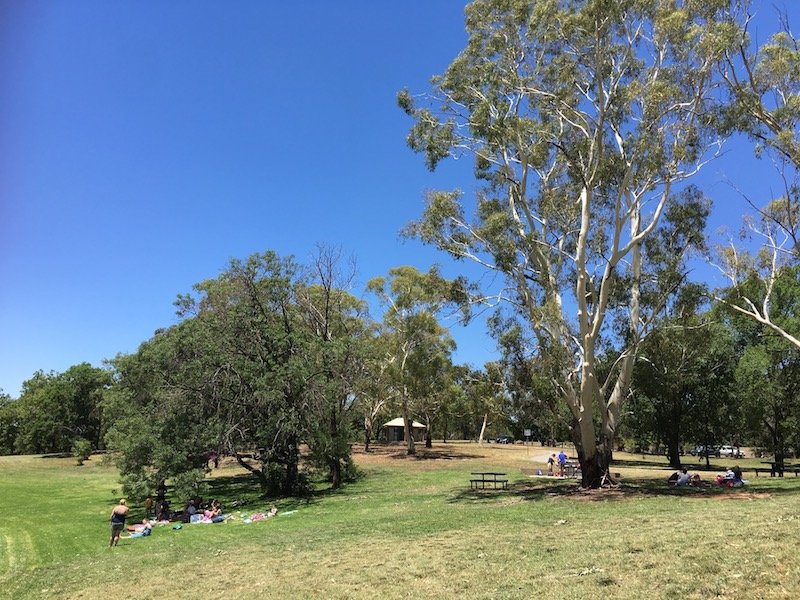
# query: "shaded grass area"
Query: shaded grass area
{"points": [[411, 528]]}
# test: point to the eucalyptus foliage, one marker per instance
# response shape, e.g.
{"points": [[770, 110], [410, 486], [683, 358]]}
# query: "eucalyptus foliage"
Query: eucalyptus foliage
{"points": [[583, 117], [763, 102]]}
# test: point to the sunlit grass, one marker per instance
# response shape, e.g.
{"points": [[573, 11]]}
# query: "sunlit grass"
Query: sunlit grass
{"points": [[412, 528]]}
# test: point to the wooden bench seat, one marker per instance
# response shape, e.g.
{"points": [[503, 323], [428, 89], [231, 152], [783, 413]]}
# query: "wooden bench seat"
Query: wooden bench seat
{"points": [[772, 472]]}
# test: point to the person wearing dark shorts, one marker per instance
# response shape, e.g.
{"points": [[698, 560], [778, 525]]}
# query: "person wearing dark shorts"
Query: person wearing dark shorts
{"points": [[118, 521]]}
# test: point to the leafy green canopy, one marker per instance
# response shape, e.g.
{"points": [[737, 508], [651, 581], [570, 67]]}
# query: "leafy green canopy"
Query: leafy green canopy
{"points": [[684, 381], [267, 356], [416, 347], [768, 369], [55, 409], [762, 83]]}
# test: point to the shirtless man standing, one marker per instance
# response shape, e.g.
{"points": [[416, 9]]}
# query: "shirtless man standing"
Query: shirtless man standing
{"points": [[118, 520]]}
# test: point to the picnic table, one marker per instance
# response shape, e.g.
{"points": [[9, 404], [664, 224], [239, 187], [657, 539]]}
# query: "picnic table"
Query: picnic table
{"points": [[483, 478], [778, 468], [572, 468]]}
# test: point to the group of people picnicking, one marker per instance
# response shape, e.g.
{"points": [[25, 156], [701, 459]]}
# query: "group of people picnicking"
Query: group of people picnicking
{"points": [[162, 510], [732, 478], [194, 511], [159, 512]]}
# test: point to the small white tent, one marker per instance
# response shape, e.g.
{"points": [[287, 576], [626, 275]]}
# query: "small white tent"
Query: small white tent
{"points": [[394, 430]]}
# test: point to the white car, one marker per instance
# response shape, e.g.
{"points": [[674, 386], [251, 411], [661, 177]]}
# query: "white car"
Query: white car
{"points": [[731, 451]]}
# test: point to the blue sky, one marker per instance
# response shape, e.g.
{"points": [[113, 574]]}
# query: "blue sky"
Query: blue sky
{"points": [[147, 143]]}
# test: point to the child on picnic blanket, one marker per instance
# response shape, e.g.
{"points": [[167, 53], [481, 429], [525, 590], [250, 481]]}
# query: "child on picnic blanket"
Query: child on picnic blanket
{"points": [[258, 516], [213, 511], [142, 530]]}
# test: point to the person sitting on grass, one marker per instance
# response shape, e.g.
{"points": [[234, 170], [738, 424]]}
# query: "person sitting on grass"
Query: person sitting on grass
{"points": [[683, 478], [214, 510], [143, 531], [118, 515], [679, 478], [732, 478], [737, 477], [162, 510]]}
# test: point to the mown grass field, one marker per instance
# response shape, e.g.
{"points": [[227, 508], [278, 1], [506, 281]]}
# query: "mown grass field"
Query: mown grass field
{"points": [[411, 528]]}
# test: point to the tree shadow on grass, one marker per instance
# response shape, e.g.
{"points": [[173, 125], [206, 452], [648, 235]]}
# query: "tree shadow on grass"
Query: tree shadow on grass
{"points": [[428, 454], [243, 491], [525, 490], [630, 489], [234, 490], [640, 464]]}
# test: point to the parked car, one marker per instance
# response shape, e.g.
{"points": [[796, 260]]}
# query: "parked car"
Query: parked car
{"points": [[703, 451], [505, 439], [731, 451]]}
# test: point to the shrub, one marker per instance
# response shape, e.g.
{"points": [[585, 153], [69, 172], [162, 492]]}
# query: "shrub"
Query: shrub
{"points": [[81, 450]]}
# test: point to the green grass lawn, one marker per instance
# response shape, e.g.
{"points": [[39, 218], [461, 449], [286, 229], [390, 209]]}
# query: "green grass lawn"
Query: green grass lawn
{"points": [[411, 528]]}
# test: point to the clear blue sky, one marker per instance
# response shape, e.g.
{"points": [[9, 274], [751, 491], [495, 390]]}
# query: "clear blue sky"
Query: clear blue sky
{"points": [[146, 143]]}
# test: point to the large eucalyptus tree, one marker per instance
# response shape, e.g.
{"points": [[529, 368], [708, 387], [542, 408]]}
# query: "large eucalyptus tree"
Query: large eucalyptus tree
{"points": [[583, 117]]}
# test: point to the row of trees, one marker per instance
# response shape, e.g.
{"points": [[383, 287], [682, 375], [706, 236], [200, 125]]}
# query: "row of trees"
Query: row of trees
{"points": [[269, 356], [272, 355], [712, 375]]}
